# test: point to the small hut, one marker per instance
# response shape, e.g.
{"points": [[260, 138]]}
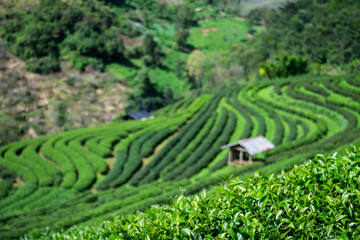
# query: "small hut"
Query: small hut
{"points": [[141, 115], [249, 147]]}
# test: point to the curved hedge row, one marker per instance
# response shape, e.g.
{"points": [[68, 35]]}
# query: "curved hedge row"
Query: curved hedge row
{"points": [[223, 135], [85, 173], [168, 153], [191, 147], [67, 168], [207, 143], [151, 161], [316, 200]]}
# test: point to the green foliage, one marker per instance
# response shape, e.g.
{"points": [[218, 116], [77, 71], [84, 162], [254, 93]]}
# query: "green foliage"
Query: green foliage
{"points": [[97, 162], [279, 129], [184, 17], [191, 149], [121, 71], [316, 89], [318, 200], [163, 79], [43, 65], [143, 86], [317, 30], [148, 147], [151, 171], [5, 187], [206, 150], [51, 28], [285, 65], [142, 4], [184, 20], [181, 37], [297, 34], [218, 34], [155, 88], [54, 176], [35, 36], [21, 193], [94, 146], [292, 130], [134, 159], [151, 51], [86, 175], [145, 96], [81, 62], [121, 157], [64, 162], [51, 175]]}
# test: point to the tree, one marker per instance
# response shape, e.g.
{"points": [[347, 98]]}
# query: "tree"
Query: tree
{"points": [[285, 65], [95, 40], [181, 37], [83, 32], [151, 51], [35, 36], [195, 67], [143, 87], [184, 17], [145, 95], [168, 95], [327, 32], [149, 44]]}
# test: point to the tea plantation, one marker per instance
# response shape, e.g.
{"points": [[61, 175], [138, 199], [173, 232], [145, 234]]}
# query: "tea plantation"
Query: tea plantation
{"points": [[319, 199], [85, 176]]}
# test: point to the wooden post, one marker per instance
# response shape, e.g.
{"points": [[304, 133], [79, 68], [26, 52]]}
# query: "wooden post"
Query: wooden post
{"points": [[250, 159], [230, 157], [241, 157]]}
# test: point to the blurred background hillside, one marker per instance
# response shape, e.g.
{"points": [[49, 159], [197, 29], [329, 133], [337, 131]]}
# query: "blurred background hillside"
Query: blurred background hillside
{"points": [[73, 64]]}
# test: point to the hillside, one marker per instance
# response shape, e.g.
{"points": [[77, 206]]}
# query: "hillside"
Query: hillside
{"points": [[316, 200], [42, 90], [72, 64], [88, 175], [211, 73], [34, 105]]}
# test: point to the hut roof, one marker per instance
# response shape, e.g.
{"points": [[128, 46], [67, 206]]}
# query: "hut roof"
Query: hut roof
{"points": [[252, 145], [141, 115]]}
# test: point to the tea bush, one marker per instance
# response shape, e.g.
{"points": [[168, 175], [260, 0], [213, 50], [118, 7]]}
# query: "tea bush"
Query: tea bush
{"points": [[316, 200]]}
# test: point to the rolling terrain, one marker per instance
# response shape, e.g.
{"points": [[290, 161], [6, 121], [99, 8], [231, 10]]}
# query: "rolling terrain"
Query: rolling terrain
{"points": [[316, 200], [85, 176]]}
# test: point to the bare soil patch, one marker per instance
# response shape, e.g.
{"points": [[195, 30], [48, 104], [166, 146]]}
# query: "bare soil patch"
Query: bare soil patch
{"points": [[206, 31], [131, 42], [18, 183], [90, 98]]}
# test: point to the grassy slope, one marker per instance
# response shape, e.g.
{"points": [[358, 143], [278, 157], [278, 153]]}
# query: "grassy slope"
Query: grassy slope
{"points": [[188, 161], [209, 36], [316, 200], [248, 5], [216, 35]]}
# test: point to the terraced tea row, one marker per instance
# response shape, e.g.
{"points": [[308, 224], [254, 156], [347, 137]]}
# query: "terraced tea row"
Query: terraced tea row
{"points": [[318, 199], [87, 175]]}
